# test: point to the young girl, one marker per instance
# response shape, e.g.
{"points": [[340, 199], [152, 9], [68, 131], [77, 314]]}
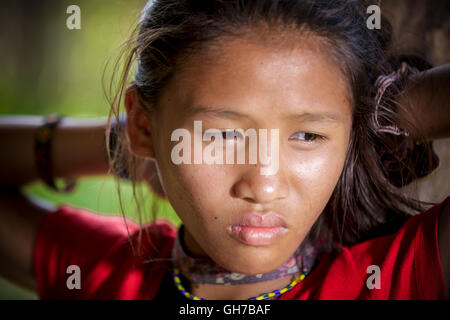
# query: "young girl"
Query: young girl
{"points": [[353, 124]]}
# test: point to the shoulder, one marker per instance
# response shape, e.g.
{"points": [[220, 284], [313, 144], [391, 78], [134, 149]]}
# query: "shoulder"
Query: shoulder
{"points": [[409, 262], [117, 259], [83, 224], [444, 241], [404, 265]]}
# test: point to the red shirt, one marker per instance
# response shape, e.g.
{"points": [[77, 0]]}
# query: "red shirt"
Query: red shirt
{"points": [[408, 261]]}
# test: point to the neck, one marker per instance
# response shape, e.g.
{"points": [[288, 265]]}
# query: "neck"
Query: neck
{"points": [[203, 278]]}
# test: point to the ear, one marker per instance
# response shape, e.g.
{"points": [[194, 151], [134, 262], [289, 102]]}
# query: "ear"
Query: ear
{"points": [[138, 125]]}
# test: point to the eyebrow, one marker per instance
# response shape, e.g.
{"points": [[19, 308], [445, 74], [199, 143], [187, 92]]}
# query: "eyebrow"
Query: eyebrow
{"points": [[215, 112], [318, 117], [229, 114]]}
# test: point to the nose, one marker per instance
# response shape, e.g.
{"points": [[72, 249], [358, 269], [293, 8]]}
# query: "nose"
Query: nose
{"points": [[257, 188]]}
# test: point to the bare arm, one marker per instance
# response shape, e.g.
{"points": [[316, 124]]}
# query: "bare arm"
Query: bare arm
{"points": [[77, 148], [427, 102], [428, 97], [19, 221], [77, 151]]}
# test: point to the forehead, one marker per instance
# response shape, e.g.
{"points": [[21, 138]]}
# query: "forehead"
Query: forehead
{"points": [[261, 76]]}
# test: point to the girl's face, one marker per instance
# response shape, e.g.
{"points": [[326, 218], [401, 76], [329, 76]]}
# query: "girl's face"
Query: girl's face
{"points": [[296, 89]]}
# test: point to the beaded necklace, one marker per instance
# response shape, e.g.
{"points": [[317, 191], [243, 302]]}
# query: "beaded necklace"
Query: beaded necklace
{"points": [[206, 271], [274, 294]]}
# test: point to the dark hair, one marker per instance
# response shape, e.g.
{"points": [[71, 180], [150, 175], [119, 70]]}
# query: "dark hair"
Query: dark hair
{"points": [[367, 201]]}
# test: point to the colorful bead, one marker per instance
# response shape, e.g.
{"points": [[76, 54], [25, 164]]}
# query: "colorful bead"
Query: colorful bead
{"points": [[275, 293]]}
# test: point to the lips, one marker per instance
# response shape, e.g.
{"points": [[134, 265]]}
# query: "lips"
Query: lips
{"points": [[258, 229]]}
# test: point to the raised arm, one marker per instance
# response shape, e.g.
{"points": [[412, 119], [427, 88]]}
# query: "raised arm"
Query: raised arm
{"points": [[428, 97], [77, 150]]}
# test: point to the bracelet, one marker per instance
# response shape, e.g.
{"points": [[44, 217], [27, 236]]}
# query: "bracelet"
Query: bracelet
{"points": [[42, 151], [397, 148], [383, 83]]}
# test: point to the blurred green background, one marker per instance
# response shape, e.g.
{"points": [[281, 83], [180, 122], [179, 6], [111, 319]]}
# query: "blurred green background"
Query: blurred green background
{"points": [[46, 68]]}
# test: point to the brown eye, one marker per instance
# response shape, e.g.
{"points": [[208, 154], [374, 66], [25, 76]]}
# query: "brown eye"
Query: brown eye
{"points": [[228, 135], [231, 135], [306, 136]]}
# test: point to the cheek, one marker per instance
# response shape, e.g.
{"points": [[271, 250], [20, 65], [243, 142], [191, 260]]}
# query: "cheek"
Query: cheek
{"points": [[203, 186], [202, 178], [315, 173]]}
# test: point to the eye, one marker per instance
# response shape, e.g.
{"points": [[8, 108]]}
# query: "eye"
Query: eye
{"points": [[229, 134], [307, 136]]}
